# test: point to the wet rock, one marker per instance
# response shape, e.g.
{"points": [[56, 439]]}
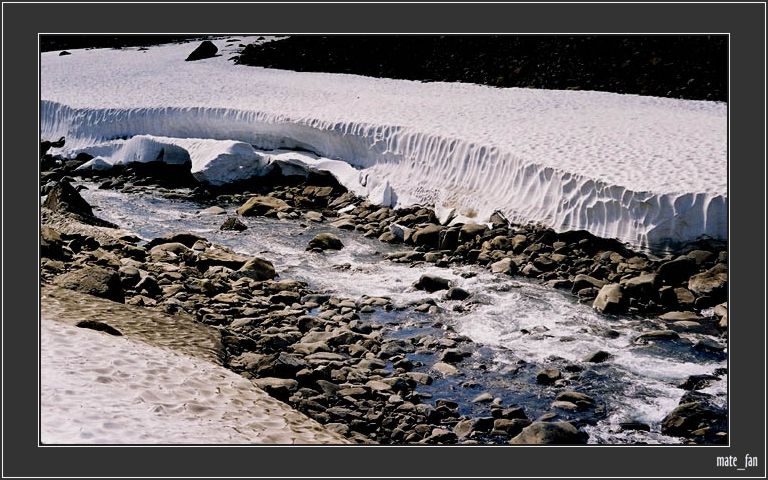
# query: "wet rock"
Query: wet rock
{"points": [[700, 256], [325, 241], [688, 419], [510, 426], [634, 426], [697, 382], [441, 435], [483, 398], [658, 335], [257, 269], [498, 220], [51, 244], [99, 326], [505, 265], [453, 355], [457, 293], [445, 369], [205, 50], [220, 257], [431, 283], [708, 345], [609, 299], [233, 224], [214, 210], [262, 205], [642, 286], [582, 400], [598, 357], [548, 376], [185, 238], [97, 281], [550, 433]]}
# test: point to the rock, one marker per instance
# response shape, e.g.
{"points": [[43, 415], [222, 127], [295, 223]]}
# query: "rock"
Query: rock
{"points": [[51, 244], [220, 257], [441, 435], [697, 382], [97, 281], [431, 283], [344, 224], [64, 52], [280, 388], [598, 357], [428, 236], [469, 231], [581, 399], [316, 217], [563, 405], [172, 247], [325, 241], [548, 376], [205, 50], [261, 205], [700, 256], [498, 220], [680, 316], [64, 198], [581, 282], [550, 433], [184, 238], [676, 271], [690, 417], [258, 269], [637, 426], [708, 345], [505, 265], [659, 335], [713, 282], [642, 286], [445, 369], [609, 299], [483, 398], [510, 426], [457, 293], [214, 210], [233, 224], [99, 326], [684, 297]]}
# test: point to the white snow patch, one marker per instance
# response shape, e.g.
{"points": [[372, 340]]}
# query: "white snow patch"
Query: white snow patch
{"points": [[96, 388], [645, 170]]}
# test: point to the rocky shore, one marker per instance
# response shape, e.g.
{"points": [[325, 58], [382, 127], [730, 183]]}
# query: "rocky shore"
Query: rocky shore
{"points": [[322, 355]]}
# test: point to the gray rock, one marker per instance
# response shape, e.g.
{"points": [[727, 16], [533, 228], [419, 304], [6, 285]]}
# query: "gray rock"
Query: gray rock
{"points": [[325, 241], [550, 433], [233, 224]]}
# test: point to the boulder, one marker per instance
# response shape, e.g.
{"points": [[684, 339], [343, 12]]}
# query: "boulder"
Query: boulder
{"points": [[581, 281], [469, 231], [97, 281], [642, 286], [548, 376], [713, 282], [260, 205], [505, 265], [609, 299], [325, 241], [457, 293], [258, 269], [233, 224], [280, 388], [64, 198], [205, 50], [598, 357], [689, 418], [676, 271], [550, 433], [184, 238], [432, 283], [428, 236]]}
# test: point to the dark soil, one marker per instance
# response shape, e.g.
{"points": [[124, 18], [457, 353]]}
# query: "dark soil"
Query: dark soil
{"points": [[689, 67]]}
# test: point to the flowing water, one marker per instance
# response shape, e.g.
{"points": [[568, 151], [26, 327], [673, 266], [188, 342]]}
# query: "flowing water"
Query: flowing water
{"points": [[517, 326]]}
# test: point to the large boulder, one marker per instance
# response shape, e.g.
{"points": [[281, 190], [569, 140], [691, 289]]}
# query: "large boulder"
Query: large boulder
{"points": [[258, 269], [692, 418], [469, 231], [205, 50], [428, 236], [64, 198], [97, 281], [550, 433], [676, 271], [260, 205], [505, 265], [325, 241], [609, 299], [582, 281], [642, 286], [432, 283], [713, 282]]}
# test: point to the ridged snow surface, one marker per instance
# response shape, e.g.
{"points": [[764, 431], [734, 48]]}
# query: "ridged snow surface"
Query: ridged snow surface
{"points": [[645, 170]]}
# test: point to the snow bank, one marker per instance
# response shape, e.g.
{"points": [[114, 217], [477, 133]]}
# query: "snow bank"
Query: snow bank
{"points": [[96, 388], [645, 170]]}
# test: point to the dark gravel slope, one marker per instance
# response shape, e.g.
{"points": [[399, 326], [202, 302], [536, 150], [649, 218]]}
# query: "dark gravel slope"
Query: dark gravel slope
{"points": [[690, 67]]}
